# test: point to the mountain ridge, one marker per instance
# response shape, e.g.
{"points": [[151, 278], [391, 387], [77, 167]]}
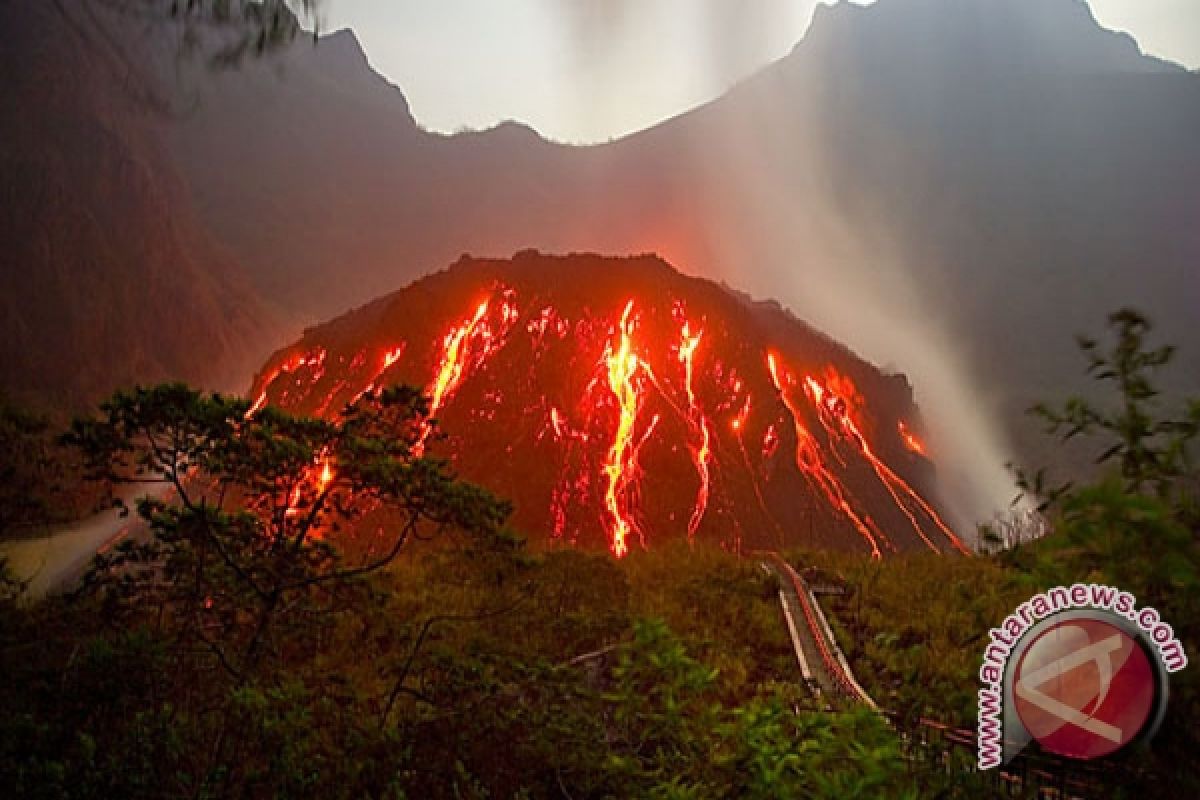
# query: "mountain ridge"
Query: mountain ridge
{"points": [[965, 223], [106, 276]]}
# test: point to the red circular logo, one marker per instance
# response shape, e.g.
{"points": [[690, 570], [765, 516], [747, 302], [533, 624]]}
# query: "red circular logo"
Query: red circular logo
{"points": [[1084, 688]]}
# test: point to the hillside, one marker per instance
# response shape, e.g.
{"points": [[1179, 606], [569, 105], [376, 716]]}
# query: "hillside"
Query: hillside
{"points": [[619, 403], [106, 276]]}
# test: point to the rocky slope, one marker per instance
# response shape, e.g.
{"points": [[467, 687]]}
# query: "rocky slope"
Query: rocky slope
{"points": [[620, 403]]}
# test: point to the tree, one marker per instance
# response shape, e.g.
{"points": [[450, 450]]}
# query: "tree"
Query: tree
{"points": [[238, 559], [1152, 452], [235, 588], [1139, 523]]}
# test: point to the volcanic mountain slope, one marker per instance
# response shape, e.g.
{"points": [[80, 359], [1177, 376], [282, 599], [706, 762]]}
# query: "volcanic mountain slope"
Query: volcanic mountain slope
{"points": [[620, 403]]}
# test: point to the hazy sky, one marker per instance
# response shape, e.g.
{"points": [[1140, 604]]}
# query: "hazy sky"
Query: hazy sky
{"points": [[589, 70]]}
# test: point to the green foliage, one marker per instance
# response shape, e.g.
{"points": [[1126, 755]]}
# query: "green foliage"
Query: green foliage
{"points": [[212, 629], [238, 561], [660, 712], [1152, 451], [1138, 527], [915, 628], [727, 609], [774, 752]]}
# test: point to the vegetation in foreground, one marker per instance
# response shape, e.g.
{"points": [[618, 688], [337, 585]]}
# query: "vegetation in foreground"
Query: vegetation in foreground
{"points": [[915, 628], [235, 651]]}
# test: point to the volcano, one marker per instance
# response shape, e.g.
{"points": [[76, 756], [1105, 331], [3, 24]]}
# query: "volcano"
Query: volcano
{"points": [[619, 403]]}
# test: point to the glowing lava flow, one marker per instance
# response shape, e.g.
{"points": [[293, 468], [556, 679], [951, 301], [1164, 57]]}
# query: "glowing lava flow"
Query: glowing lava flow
{"points": [[621, 465], [319, 476], [738, 425], [389, 359], [809, 461], [451, 366], [702, 451], [457, 356], [828, 403], [560, 495], [315, 359]]}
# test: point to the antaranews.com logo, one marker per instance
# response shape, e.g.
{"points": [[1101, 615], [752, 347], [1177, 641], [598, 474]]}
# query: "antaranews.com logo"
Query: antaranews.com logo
{"points": [[1080, 669]]}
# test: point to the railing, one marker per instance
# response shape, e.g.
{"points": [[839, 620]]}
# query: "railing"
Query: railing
{"points": [[1030, 774], [833, 660]]}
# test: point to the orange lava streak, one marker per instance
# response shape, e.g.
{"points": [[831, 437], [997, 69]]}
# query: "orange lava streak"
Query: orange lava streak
{"points": [[702, 451], [314, 359], [827, 400], [809, 461], [323, 409], [556, 422], [326, 476], [620, 467], [738, 424], [452, 365], [389, 359], [920, 501], [453, 361], [910, 440], [832, 407], [318, 476]]}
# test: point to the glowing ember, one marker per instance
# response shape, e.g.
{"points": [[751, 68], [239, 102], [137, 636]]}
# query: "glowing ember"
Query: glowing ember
{"points": [[910, 440], [315, 479], [556, 422], [389, 360], [844, 395], [701, 450], [326, 476]]}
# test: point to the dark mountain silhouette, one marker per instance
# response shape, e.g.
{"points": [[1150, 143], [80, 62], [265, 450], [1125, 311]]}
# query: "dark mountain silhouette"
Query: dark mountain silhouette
{"points": [[105, 275], [956, 186], [979, 144], [619, 403]]}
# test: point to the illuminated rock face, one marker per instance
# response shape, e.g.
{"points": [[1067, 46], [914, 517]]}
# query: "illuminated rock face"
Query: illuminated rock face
{"points": [[619, 404]]}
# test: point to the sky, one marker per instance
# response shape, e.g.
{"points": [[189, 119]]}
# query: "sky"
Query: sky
{"points": [[586, 71]]}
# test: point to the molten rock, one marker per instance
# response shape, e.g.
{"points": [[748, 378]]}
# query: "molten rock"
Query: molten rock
{"points": [[618, 402]]}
